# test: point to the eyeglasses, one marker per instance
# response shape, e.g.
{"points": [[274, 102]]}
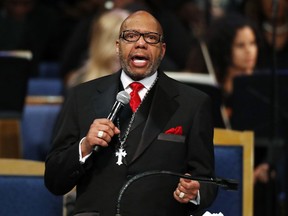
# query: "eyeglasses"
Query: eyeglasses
{"points": [[149, 37]]}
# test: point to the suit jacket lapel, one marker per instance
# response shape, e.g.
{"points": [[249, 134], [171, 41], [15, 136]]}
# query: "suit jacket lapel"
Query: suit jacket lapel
{"points": [[106, 95], [162, 108]]}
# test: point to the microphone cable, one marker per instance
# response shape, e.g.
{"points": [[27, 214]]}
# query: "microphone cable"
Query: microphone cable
{"points": [[227, 184]]}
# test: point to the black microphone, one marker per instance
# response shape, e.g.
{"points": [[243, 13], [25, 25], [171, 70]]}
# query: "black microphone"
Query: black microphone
{"points": [[122, 98]]}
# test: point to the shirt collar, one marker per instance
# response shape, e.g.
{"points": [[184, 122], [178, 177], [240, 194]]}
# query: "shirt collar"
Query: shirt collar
{"points": [[147, 81]]}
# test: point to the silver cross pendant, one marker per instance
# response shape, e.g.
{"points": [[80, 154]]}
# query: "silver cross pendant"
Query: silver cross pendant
{"points": [[121, 153]]}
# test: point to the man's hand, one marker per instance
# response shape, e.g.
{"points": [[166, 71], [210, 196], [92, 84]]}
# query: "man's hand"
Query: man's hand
{"points": [[100, 133], [187, 190]]}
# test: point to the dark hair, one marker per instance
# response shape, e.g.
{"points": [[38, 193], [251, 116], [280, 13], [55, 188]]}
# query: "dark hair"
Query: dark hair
{"points": [[220, 36]]}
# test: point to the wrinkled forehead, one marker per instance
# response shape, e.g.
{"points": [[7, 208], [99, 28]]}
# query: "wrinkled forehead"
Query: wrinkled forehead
{"points": [[142, 22]]}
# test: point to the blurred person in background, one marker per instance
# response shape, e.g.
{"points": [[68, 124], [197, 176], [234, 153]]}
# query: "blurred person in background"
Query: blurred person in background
{"points": [[195, 16], [262, 12], [75, 50], [233, 42], [102, 57], [176, 35], [77, 46], [272, 17]]}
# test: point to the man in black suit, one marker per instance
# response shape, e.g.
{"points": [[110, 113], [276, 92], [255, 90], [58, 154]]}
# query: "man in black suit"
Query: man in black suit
{"points": [[170, 130]]}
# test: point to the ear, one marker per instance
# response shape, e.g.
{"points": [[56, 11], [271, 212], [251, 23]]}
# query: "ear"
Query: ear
{"points": [[163, 49]]}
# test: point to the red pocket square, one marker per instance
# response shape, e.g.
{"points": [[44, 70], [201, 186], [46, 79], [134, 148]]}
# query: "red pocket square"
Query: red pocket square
{"points": [[177, 130]]}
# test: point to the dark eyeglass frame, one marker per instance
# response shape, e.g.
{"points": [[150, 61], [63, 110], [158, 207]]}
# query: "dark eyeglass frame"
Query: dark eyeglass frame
{"points": [[144, 35]]}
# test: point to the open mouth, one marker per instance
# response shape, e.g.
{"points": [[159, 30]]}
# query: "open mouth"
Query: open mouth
{"points": [[139, 60]]}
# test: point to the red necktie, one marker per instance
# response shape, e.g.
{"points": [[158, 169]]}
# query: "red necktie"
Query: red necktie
{"points": [[135, 98]]}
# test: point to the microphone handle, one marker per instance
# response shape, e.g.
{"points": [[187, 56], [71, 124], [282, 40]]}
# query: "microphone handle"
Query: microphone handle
{"points": [[115, 109], [96, 148]]}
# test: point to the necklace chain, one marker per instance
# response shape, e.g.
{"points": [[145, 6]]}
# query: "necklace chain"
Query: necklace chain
{"points": [[123, 140]]}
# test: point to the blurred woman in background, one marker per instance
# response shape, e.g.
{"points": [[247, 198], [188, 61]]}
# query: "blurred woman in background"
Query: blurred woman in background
{"points": [[102, 59], [233, 43]]}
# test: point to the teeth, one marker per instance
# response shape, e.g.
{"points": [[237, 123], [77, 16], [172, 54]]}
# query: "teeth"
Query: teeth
{"points": [[139, 61]]}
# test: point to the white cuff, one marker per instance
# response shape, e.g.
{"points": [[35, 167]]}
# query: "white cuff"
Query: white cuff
{"points": [[197, 200], [82, 159]]}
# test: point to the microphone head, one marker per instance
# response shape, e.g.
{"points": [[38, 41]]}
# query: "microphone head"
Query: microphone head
{"points": [[123, 97]]}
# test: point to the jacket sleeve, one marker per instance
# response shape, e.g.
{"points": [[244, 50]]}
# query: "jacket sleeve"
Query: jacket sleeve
{"points": [[62, 166]]}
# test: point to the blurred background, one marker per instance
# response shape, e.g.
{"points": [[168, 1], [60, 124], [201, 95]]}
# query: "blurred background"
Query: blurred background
{"points": [[234, 50]]}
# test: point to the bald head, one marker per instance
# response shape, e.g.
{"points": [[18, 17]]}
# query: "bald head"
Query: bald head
{"points": [[141, 19], [140, 46]]}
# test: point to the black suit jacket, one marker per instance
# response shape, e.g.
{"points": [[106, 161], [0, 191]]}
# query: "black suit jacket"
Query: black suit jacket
{"points": [[99, 180]]}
